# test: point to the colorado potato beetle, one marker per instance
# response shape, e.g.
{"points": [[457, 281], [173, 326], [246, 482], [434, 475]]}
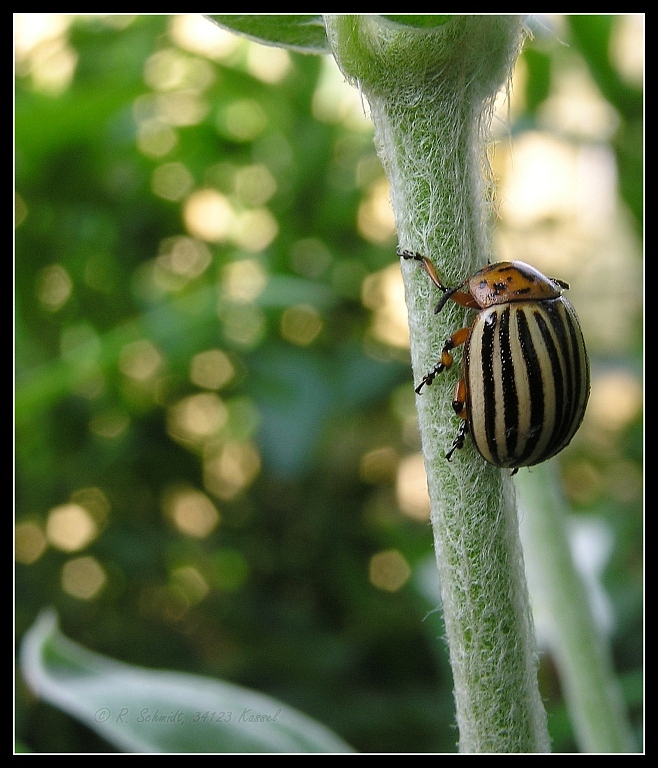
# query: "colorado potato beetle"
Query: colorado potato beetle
{"points": [[525, 378]]}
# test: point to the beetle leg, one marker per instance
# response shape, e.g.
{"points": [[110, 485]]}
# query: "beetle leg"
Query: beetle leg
{"points": [[428, 267], [457, 339], [458, 442], [459, 297], [459, 399], [459, 407]]}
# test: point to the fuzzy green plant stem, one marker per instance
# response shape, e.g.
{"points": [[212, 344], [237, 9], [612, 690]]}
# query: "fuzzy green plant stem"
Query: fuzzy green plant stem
{"points": [[430, 93]]}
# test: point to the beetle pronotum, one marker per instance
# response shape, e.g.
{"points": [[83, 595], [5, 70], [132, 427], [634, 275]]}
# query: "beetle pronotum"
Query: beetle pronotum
{"points": [[525, 379]]}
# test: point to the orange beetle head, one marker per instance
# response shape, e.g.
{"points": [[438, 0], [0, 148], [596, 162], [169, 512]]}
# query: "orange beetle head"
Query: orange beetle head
{"points": [[511, 281]]}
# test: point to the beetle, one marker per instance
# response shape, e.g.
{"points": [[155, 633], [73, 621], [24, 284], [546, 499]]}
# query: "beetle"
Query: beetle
{"points": [[525, 380]]}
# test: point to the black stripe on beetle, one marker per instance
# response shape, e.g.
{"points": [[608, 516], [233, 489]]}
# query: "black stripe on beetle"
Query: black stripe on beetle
{"points": [[525, 381]]}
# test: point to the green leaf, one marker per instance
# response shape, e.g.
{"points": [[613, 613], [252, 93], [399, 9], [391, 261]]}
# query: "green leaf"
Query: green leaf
{"points": [[142, 710], [303, 33]]}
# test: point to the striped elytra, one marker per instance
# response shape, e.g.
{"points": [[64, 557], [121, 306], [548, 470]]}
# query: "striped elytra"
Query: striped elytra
{"points": [[525, 383]]}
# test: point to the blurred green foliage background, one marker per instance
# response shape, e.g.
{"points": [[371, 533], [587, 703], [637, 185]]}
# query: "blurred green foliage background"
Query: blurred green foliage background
{"points": [[217, 463]]}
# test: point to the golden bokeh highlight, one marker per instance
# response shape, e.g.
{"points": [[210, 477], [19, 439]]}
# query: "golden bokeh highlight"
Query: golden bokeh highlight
{"points": [[169, 69], [243, 120], [54, 287], [191, 582], [254, 184], [383, 293], [180, 260], [211, 369], [627, 48], [389, 570], [578, 184], [301, 325], [95, 501], [180, 108], [208, 215], [375, 220], [254, 229], [155, 139], [575, 108], [243, 281], [194, 33], [243, 324], [267, 63], [230, 468], [337, 103], [411, 487], [195, 419], [140, 360], [171, 181], [615, 400], [379, 466], [83, 577], [29, 542], [42, 51], [70, 527], [191, 511]]}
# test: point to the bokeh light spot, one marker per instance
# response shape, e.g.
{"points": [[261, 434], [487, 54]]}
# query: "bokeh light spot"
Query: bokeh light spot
{"points": [[180, 260], [615, 400], [389, 570], [156, 139], [42, 50], [54, 287], [375, 217], [191, 582], [254, 184], [70, 527], [170, 69], [301, 325], [211, 369], [243, 324], [255, 229], [194, 33], [181, 108], [191, 511], [411, 487], [208, 215], [231, 469], [83, 577], [140, 360], [29, 542], [243, 281], [383, 293], [379, 465], [195, 419], [171, 181], [243, 120], [269, 64]]}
